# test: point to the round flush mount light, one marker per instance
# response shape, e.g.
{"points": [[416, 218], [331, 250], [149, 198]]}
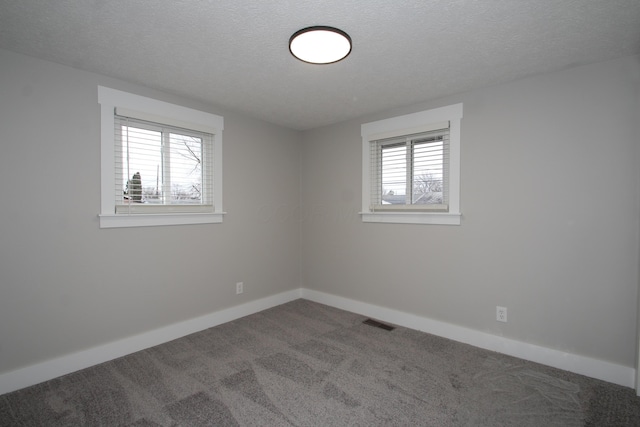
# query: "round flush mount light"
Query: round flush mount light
{"points": [[320, 45]]}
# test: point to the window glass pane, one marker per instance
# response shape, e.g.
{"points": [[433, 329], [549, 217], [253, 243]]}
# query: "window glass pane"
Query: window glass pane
{"points": [[141, 168], [394, 174], [161, 168], [428, 172], [185, 169]]}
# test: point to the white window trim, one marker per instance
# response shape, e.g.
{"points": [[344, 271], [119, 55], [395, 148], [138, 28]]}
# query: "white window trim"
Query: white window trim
{"points": [[162, 112], [406, 125]]}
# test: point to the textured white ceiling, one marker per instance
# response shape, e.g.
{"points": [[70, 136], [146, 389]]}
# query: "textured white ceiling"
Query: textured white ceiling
{"points": [[234, 53]]}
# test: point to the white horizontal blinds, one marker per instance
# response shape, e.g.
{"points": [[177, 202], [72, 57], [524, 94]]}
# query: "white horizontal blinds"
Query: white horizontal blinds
{"points": [[411, 172], [161, 168], [392, 176], [430, 171]]}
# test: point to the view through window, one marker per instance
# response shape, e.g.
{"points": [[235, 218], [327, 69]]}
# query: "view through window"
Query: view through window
{"points": [[413, 170], [159, 165]]}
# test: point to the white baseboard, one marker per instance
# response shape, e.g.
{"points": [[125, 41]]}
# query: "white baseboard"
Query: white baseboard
{"points": [[34, 374], [587, 366], [63, 365]]}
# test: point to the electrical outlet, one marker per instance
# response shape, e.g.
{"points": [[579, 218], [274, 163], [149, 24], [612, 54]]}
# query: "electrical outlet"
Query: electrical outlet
{"points": [[239, 287], [501, 314]]}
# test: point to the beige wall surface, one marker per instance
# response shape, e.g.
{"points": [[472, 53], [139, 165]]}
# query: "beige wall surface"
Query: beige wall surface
{"points": [[549, 197], [67, 285]]}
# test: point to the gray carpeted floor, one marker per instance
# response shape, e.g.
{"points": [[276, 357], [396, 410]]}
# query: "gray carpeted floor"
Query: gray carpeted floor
{"points": [[306, 364]]}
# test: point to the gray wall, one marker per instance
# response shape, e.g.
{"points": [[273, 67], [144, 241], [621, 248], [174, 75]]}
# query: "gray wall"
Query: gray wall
{"points": [[63, 282], [550, 202], [549, 196], [638, 313]]}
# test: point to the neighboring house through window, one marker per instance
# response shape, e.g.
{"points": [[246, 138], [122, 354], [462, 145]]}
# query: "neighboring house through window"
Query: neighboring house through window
{"points": [[411, 168], [161, 163]]}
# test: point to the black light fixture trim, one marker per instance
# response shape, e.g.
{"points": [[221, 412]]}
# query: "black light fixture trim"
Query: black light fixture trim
{"points": [[321, 28]]}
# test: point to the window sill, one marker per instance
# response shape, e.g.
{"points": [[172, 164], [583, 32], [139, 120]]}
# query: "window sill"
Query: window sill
{"points": [[149, 220], [442, 218]]}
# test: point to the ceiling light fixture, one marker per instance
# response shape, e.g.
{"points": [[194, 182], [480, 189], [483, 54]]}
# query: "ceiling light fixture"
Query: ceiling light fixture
{"points": [[320, 45]]}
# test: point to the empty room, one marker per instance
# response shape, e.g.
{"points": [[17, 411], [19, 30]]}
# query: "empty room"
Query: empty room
{"points": [[207, 218]]}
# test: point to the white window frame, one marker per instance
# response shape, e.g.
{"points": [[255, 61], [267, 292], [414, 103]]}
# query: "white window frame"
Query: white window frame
{"points": [[159, 112], [406, 125]]}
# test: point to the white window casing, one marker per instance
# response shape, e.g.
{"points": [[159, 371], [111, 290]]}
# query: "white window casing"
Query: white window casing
{"points": [[404, 132], [117, 108]]}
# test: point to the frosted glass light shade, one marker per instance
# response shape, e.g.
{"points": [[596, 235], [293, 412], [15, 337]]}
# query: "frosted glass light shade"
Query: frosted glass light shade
{"points": [[320, 45]]}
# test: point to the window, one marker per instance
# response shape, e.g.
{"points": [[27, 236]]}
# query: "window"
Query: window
{"points": [[411, 168], [161, 163], [160, 167], [409, 172]]}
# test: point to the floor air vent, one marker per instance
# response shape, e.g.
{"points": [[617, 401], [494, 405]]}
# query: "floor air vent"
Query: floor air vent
{"points": [[377, 324]]}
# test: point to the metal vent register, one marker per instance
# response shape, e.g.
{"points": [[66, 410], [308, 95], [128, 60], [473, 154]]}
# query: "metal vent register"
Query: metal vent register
{"points": [[377, 324]]}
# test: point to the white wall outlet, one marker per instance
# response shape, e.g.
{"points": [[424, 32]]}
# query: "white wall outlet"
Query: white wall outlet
{"points": [[501, 314], [239, 287]]}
